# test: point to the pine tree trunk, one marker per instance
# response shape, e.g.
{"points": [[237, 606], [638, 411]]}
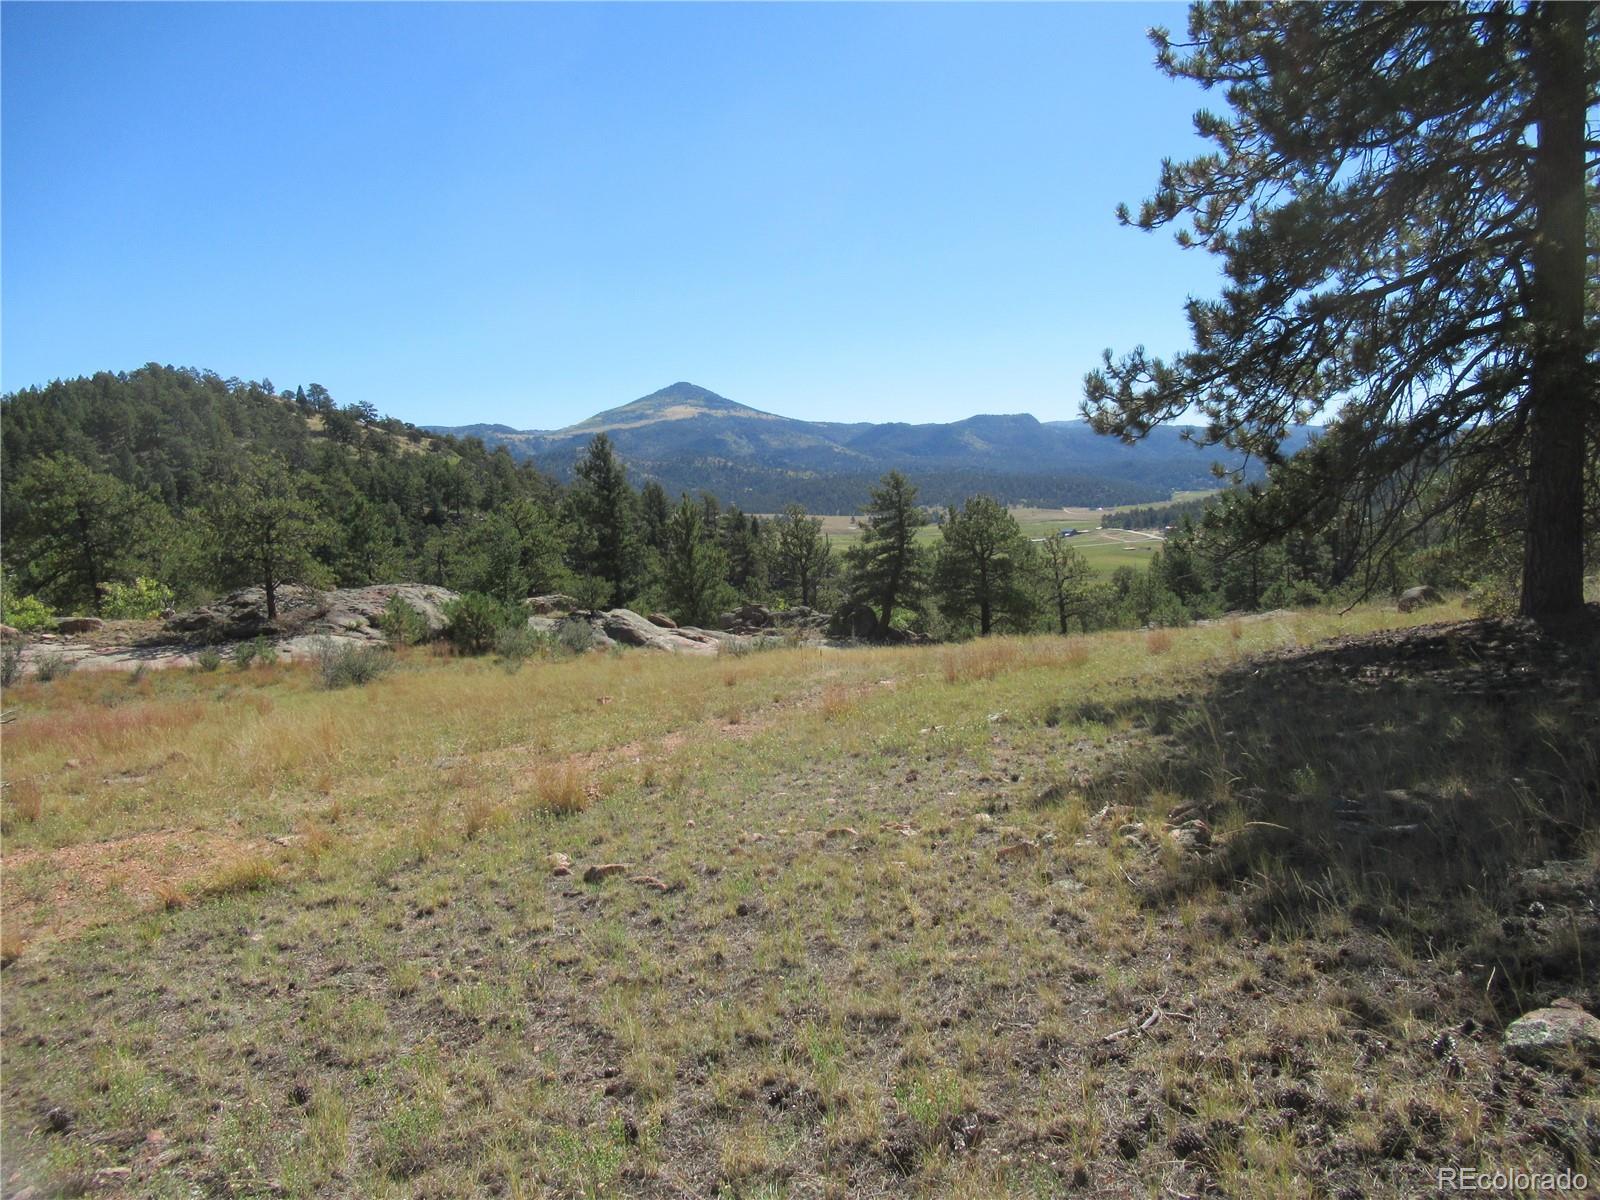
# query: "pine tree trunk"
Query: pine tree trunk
{"points": [[1558, 400]]}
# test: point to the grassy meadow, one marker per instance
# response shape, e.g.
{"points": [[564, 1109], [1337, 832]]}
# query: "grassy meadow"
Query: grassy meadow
{"points": [[1104, 549], [884, 922]]}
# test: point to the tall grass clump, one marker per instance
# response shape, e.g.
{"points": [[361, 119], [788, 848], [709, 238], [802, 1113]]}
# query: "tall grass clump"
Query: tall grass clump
{"points": [[561, 788], [208, 659], [10, 664], [351, 666]]}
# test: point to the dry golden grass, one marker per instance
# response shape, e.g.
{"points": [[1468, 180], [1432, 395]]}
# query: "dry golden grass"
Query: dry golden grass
{"points": [[837, 701], [169, 895], [24, 803], [480, 813], [753, 1007], [12, 944], [1158, 641], [561, 788], [247, 874]]}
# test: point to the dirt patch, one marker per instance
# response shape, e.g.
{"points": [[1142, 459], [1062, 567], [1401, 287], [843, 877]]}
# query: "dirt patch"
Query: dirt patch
{"points": [[52, 894]]}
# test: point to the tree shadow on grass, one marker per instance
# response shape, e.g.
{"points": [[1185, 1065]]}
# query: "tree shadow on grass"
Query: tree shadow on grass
{"points": [[1439, 787]]}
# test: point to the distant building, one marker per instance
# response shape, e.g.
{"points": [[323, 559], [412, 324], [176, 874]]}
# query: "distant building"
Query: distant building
{"points": [[1068, 533]]}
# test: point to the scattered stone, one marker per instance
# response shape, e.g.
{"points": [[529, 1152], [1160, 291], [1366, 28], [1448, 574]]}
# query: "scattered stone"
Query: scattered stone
{"points": [[560, 864], [602, 871], [1549, 1036], [1417, 597], [79, 625]]}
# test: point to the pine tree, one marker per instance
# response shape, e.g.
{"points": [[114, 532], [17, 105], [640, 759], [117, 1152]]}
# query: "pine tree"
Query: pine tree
{"points": [[72, 530], [264, 531], [887, 568], [607, 519], [1398, 194], [802, 555], [693, 568], [1068, 578], [982, 564]]}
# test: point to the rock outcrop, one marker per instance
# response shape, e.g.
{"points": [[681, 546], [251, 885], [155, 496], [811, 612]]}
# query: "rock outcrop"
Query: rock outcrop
{"points": [[305, 612]]}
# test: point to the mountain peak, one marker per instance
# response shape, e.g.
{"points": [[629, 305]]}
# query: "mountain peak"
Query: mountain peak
{"points": [[675, 402]]}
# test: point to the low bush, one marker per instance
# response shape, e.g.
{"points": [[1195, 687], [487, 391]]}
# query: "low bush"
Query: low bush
{"points": [[575, 635], [351, 666], [475, 621], [28, 613], [141, 600], [516, 644], [10, 664], [208, 659], [53, 666]]}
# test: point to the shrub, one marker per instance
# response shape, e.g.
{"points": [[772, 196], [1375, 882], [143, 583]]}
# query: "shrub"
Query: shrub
{"points": [[141, 600], [208, 659], [351, 666], [402, 624], [259, 651], [10, 664], [28, 613], [475, 621], [516, 644], [575, 635], [53, 666]]}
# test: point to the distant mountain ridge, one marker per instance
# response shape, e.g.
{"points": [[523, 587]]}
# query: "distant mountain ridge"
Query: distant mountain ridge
{"points": [[689, 438]]}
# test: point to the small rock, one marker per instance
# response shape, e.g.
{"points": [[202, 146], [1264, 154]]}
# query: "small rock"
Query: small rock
{"points": [[601, 871], [560, 864], [1548, 1036], [1193, 836], [1413, 598]]}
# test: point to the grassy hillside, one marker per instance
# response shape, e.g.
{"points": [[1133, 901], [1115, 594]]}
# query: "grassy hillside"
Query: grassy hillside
{"points": [[891, 922]]}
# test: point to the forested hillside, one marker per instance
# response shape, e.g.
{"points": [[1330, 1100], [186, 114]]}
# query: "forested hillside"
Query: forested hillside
{"points": [[189, 479], [688, 438]]}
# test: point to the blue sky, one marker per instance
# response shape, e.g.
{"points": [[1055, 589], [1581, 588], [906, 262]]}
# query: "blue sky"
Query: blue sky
{"points": [[527, 213]]}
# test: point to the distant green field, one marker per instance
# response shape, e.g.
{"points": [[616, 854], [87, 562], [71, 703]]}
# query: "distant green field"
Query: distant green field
{"points": [[1105, 549]]}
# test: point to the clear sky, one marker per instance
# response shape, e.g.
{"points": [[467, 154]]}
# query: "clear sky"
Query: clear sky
{"points": [[528, 213]]}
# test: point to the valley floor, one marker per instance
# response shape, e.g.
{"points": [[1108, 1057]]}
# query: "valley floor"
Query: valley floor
{"points": [[1233, 910]]}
